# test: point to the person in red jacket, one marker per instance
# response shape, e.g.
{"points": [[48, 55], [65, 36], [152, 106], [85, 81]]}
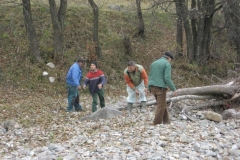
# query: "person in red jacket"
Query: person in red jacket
{"points": [[95, 79]]}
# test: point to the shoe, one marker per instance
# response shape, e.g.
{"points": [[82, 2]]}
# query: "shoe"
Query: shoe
{"points": [[69, 111], [129, 108], [143, 107], [80, 110]]}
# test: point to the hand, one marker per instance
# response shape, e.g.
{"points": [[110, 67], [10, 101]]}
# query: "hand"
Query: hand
{"points": [[175, 93], [79, 87], [137, 92], [100, 86], [146, 90]]}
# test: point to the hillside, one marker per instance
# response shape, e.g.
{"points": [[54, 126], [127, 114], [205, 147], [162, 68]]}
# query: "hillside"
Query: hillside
{"points": [[44, 130]]}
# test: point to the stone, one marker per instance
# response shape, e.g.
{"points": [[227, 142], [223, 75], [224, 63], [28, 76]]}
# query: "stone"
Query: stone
{"points": [[228, 114], [115, 7], [9, 125], [197, 147], [103, 113], [210, 115], [51, 65]]}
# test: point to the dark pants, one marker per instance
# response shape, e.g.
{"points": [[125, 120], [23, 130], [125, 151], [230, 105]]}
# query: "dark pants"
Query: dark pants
{"points": [[73, 98], [161, 114], [95, 96]]}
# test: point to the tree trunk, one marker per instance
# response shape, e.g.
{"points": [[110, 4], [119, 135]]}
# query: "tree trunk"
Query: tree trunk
{"points": [[140, 19], [58, 26], [127, 45], [231, 11], [179, 37], [204, 31], [194, 27], [214, 90], [188, 30], [31, 32], [95, 28]]}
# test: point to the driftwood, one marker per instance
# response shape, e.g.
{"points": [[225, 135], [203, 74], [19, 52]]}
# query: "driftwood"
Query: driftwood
{"points": [[214, 90], [214, 103], [214, 95]]}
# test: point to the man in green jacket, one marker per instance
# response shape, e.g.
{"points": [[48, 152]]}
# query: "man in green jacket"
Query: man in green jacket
{"points": [[159, 80]]}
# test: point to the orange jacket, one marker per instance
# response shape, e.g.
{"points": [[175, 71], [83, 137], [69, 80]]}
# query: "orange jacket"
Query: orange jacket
{"points": [[133, 80]]}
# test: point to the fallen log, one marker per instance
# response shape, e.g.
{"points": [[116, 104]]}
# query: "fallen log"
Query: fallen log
{"points": [[220, 93], [214, 90], [209, 104]]}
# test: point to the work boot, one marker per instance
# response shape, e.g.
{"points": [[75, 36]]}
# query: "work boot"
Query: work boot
{"points": [[143, 107], [129, 108]]}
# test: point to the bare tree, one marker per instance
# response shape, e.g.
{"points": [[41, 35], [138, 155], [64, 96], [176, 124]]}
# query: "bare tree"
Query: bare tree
{"points": [[31, 32], [187, 27], [231, 10], [206, 11], [140, 31], [179, 36], [95, 28], [197, 23], [58, 26]]}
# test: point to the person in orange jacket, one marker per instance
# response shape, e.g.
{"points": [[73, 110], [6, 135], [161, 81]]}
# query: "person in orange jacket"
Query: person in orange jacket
{"points": [[137, 81]]}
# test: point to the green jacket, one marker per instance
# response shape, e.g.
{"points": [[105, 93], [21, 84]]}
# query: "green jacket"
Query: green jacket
{"points": [[160, 74]]}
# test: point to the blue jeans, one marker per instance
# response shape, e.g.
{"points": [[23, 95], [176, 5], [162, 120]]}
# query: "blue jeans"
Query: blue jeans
{"points": [[73, 98]]}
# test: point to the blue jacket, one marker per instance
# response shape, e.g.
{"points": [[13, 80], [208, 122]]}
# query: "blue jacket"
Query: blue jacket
{"points": [[74, 75]]}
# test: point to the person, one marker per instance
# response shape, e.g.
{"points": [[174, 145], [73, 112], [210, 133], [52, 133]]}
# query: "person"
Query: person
{"points": [[159, 80], [95, 79], [137, 80], [73, 80]]}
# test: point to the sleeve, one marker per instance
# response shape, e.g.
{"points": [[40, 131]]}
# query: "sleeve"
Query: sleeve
{"points": [[87, 80], [128, 81], [102, 78], [144, 77], [168, 79], [75, 76]]}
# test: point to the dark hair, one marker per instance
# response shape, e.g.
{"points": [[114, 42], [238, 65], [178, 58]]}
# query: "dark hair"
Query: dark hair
{"points": [[131, 63], [81, 60], [95, 63]]}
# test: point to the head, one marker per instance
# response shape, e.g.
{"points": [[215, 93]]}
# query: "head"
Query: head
{"points": [[131, 66], [81, 62], [168, 55], [93, 65]]}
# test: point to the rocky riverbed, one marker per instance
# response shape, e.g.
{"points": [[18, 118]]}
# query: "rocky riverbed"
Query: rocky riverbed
{"points": [[124, 137]]}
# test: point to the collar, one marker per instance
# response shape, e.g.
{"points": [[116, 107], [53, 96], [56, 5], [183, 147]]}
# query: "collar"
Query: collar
{"points": [[94, 71], [79, 66]]}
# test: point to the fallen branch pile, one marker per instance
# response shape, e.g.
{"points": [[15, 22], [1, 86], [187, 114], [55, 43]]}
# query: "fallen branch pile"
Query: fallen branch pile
{"points": [[214, 95]]}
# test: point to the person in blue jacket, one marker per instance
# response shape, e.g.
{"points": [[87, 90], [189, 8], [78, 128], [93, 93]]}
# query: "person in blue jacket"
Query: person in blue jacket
{"points": [[73, 80]]}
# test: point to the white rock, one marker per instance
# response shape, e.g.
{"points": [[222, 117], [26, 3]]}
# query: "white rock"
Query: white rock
{"points": [[51, 79], [51, 65], [45, 73]]}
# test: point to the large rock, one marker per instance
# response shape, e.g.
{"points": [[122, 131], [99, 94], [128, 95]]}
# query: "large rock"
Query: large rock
{"points": [[213, 116], [228, 114], [103, 113], [9, 125], [51, 65], [115, 7]]}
